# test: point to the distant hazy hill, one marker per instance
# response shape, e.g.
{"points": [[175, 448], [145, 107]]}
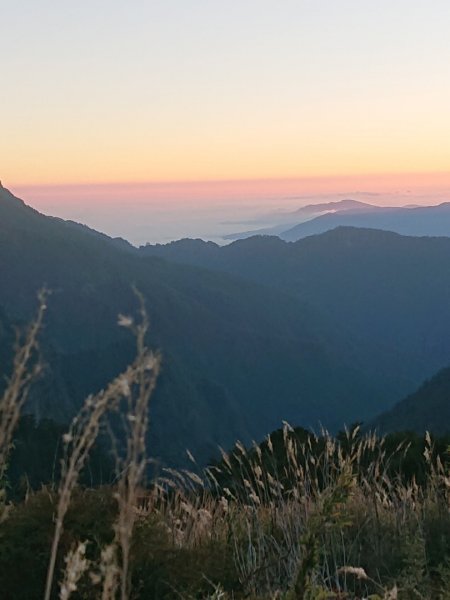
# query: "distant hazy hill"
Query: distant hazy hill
{"points": [[319, 218], [336, 206], [238, 356], [285, 221], [420, 221], [427, 409]]}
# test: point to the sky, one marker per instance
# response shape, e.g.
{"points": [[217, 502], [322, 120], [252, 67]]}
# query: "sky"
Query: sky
{"points": [[245, 94]]}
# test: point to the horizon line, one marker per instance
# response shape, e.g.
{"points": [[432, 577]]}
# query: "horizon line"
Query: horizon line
{"points": [[230, 180]]}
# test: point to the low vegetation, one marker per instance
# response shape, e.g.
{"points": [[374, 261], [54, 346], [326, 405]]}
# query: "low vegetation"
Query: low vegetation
{"points": [[298, 516]]}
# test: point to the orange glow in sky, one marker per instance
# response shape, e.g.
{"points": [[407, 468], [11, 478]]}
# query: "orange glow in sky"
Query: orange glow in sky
{"points": [[181, 91], [387, 186]]}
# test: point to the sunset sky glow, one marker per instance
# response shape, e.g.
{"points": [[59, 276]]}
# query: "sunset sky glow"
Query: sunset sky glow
{"points": [[209, 101]]}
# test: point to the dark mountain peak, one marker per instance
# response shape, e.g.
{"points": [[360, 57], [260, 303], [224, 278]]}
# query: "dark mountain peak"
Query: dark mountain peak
{"points": [[188, 244], [349, 233], [193, 243], [359, 232], [258, 241], [184, 250]]}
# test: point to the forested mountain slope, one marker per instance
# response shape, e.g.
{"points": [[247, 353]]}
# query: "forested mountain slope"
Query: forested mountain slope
{"points": [[389, 293], [427, 409], [238, 357]]}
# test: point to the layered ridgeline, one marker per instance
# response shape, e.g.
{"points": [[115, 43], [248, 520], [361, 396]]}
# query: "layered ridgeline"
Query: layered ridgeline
{"points": [[390, 294], [238, 356], [279, 222], [330, 330], [423, 220], [316, 219]]}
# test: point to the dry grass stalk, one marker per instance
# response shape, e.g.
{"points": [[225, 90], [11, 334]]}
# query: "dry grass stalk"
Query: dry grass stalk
{"points": [[132, 468], [76, 565], [26, 368], [109, 572], [85, 428]]}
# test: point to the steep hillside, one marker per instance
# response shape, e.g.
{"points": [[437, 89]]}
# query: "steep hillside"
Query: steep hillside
{"points": [[427, 409], [388, 294]]}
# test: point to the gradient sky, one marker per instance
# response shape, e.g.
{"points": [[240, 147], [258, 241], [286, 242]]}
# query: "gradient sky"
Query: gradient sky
{"points": [[107, 91]]}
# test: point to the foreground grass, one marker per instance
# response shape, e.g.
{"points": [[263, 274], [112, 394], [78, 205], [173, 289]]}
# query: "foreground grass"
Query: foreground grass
{"points": [[297, 517]]}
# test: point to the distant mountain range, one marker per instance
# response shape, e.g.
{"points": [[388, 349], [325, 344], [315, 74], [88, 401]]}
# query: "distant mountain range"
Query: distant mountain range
{"points": [[325, 331], [319, 218], [279, 221]]}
